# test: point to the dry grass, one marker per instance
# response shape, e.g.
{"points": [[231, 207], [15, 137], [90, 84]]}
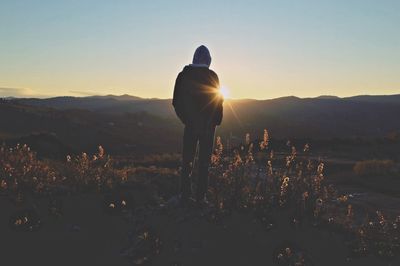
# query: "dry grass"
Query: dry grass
{"points": [[241, 179]]}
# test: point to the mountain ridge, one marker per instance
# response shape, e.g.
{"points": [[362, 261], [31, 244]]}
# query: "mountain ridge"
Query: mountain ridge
{"points": [[133, 97], [150, 125]]}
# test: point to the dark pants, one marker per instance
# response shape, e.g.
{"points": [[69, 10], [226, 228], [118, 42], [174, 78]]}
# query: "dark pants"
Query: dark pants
{"points": [[205, 139]]}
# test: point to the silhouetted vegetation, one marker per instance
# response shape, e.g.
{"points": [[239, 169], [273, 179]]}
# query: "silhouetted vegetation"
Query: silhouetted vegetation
{"points": [[248, 178]]}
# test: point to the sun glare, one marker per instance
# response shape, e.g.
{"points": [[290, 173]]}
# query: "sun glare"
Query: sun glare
{"points": [[224, 91]]}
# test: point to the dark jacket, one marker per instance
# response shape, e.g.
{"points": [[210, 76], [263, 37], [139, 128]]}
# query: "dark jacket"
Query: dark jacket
{"points": [[197, 100]]}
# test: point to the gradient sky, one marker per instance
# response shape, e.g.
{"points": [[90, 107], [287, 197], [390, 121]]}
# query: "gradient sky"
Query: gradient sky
{"points": [[261, 49]]}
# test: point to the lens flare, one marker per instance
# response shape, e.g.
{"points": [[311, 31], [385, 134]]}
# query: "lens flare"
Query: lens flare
{"points": [[224, 91]]}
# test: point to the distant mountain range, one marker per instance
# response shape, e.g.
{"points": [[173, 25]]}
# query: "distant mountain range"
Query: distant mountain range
{"points": [[324, 116], [134, 124], [131, 104]]}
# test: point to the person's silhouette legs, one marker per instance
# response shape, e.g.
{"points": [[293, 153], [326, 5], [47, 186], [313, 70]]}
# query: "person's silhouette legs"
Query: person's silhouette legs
{"points": [[189, 150], [206, 140]]}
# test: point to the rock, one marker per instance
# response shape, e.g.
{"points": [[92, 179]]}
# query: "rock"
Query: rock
{"points": [[26, 220]]}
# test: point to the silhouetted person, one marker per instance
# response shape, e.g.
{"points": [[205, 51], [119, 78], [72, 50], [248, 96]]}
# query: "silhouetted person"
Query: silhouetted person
{"points": [[198, 104]]}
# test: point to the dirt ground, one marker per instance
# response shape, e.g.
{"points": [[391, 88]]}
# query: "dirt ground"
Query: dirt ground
{"points": [[86, 235]]}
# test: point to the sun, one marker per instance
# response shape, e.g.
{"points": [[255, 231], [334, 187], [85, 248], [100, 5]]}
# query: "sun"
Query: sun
{"points": [[224, 91]]}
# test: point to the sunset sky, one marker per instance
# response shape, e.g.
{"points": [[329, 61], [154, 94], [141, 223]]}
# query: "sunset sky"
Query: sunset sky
{"points": [[261, 49]]}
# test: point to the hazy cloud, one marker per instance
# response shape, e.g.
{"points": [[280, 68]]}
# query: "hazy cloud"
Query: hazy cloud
{"points": [[83, 93], [112, 91], [20, 93]]}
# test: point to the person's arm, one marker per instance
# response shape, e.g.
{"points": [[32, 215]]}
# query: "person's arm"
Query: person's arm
{"points": [[219, 108], [219, 111], [178, 101]]}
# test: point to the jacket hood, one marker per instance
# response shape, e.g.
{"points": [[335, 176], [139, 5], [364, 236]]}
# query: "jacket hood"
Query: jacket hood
{"points": [[201, 57]]}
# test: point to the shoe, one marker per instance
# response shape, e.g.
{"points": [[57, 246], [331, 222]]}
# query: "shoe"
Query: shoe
{"points": [[188, 202], [203, 203], [180, 201]]}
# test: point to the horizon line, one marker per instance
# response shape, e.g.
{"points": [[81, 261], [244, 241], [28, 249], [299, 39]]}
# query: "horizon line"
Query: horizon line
{"points": [[43, 97]]}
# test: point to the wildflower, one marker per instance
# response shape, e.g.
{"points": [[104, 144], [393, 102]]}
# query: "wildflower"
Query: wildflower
{"points": [[342, 199], [219, 145], [284, 188], [271, 154], [264, 142], [309, 165], [288, 161], [320, 168], [349, 211], [318, 207], [101, 151], [237, 159], [247, 139], [3, 184], [270, 169], [250, 157], [306, 147], [305, 195], [381, 218], [319, 202], [294, 152], [217, 155], [288, 252]]}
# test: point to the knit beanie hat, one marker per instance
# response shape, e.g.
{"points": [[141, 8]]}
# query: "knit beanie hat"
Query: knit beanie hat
{"points": [[202, 56]]}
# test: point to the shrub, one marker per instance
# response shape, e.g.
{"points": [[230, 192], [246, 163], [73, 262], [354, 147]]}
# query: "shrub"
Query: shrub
{"points": [[374, 167], [20, 168]]}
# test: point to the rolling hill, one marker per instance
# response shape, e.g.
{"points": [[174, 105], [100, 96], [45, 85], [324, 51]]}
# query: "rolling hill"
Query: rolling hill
{"points": [[129, 124], [320, 117]]}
